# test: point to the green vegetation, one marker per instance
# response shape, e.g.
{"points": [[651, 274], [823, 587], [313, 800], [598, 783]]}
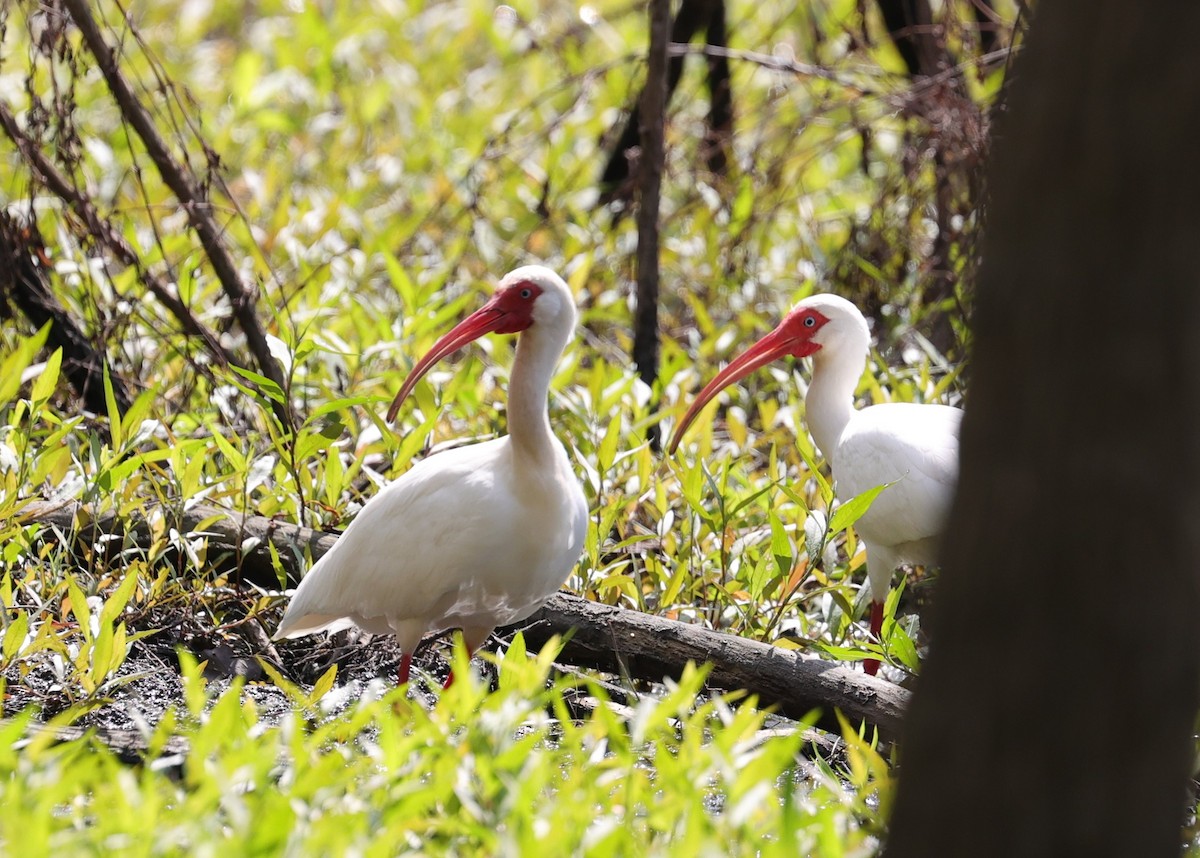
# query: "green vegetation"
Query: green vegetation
{"points": [[375, 168], [502, 773]]}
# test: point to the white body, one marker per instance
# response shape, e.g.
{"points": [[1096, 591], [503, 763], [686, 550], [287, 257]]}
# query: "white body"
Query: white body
{"points": [[466, 539], [913, 446], [473, 538]]}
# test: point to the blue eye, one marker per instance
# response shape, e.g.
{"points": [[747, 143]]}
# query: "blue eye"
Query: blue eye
{"points": [[526, 293], [809, 321]]}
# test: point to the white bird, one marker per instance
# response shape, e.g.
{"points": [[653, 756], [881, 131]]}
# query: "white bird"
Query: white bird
{"points": [[475, 537], [913, 446]]}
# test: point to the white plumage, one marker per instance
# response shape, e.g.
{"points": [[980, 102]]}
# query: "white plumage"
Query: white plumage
{"points": [[915, 447], [475, 537]]}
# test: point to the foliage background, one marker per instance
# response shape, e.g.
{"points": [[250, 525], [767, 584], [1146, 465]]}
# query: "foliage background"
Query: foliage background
{"points": [[375, 167]]}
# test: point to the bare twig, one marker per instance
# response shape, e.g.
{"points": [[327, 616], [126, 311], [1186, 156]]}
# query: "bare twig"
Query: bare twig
{"points": [[106, 234], [242, 295]]}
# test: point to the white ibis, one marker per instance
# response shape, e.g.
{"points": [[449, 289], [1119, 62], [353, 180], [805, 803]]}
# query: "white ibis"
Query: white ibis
{"points": [[913, 446], [475, 537]]}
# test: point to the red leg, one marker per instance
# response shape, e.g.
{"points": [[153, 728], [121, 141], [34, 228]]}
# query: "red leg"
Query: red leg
{"points": [[473, 639], [871, 665], [405, 665]]}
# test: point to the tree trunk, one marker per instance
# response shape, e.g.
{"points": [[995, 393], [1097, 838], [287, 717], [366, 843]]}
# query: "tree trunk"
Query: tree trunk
{"points": [[692, 17], [910, 25], [653, 126], [1046, 722]]}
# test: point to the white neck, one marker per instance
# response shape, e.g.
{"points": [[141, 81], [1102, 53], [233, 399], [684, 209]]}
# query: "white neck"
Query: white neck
{"points": [[829, 403], [538, 352]]}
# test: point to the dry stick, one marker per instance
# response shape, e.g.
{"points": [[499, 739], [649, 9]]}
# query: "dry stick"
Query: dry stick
{"points": [[653, 120], [104, 232], [242, 296], [601, 635]]}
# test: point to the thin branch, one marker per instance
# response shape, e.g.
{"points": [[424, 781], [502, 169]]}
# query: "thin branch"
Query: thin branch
{"points": [[854, 83], [242, 295], [104, 232]]}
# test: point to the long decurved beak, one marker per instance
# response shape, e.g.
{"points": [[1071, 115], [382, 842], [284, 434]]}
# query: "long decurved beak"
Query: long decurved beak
{"points": [[485, 320], [770, 348]]}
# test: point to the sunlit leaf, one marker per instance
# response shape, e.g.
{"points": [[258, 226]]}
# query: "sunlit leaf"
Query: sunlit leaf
{"points": [[852, 510]]}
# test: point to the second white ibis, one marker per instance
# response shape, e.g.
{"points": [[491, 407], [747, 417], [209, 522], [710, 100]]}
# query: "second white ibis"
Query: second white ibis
{"points": [[475, 537], [914, 447]]}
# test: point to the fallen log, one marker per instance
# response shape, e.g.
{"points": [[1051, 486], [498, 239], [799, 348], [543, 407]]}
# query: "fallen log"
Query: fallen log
{"points": [[617, 640], [605, 637], [238, 543], [129, 746]]}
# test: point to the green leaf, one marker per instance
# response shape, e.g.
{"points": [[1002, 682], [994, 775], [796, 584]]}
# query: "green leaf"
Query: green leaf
{"points": [[515, 655], [79, 607], [102, 650], [309, 444], [342, 404], [118, 649], [746, 501], [608, 446], [806, 454], [269, 388], [117, 601], [781, 546], [114, 413], [16, 363], [322, 686], [14, 635], [854, 509], [47, 380], [291, 689], [236, 460], [400, 280], [193, 683], [138, 411]]}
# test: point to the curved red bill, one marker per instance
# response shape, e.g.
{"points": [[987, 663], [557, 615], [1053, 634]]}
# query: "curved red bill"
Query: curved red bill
{"points": [[485, 320], [770, 348]]}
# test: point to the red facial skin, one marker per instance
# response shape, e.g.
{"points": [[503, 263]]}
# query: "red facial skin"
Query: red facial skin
{"points": [[792, 337], [508, 311]]}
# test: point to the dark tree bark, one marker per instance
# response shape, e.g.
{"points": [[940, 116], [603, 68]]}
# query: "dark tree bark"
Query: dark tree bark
{"points": [[24, 267], [922, 45], [1045, 723], [910, 25], [653, 113], [720, 93]]}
